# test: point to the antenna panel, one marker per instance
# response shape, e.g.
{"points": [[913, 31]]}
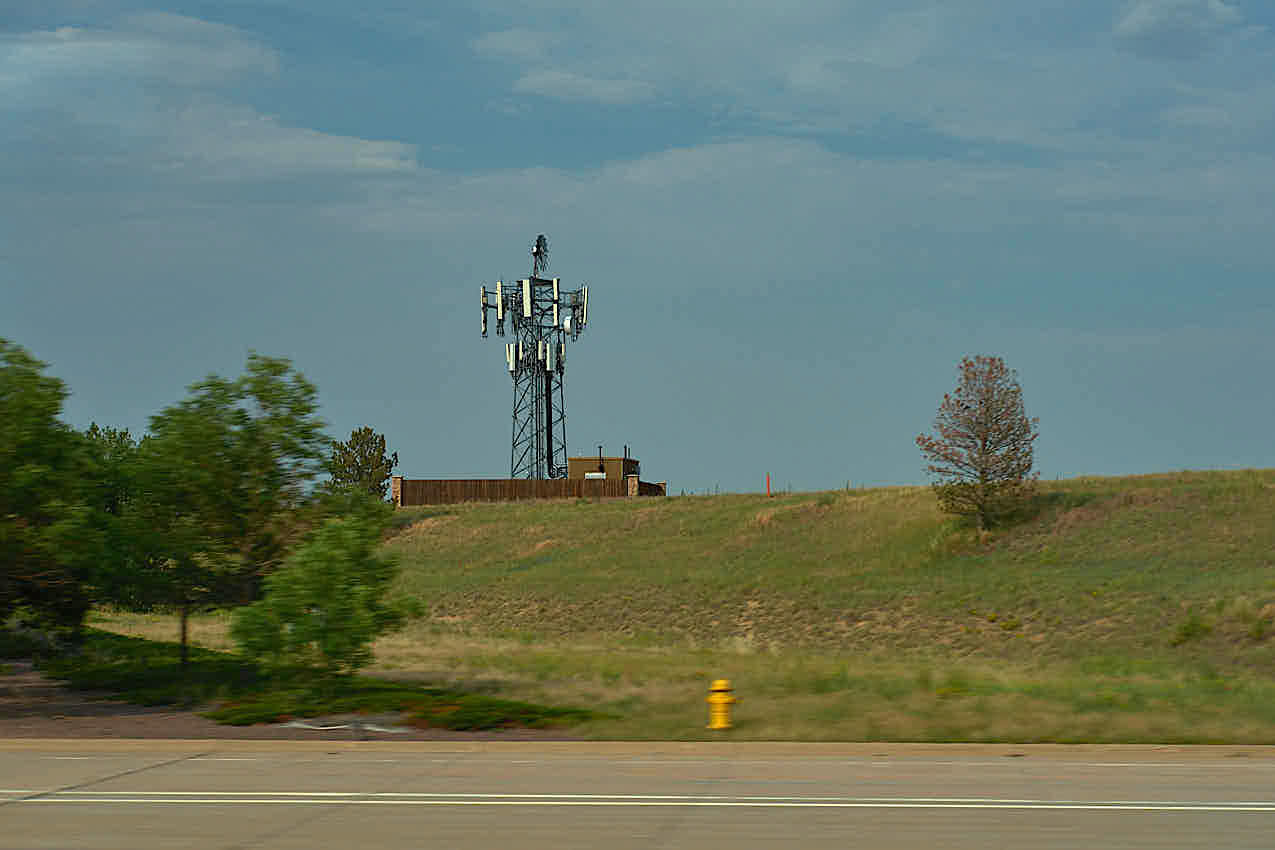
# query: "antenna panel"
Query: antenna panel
{"points": [[526, 298], [500, 304]]}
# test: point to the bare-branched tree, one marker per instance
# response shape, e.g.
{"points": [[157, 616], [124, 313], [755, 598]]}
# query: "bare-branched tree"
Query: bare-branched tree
{"points": [[981, 454]]}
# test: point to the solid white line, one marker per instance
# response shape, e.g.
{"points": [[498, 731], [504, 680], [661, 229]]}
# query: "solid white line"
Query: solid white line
{"points": [[658, 803], [463, 799]]}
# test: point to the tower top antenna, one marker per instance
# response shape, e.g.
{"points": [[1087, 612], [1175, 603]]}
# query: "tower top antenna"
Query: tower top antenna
{"points": [[540, 256], [544, 316]]}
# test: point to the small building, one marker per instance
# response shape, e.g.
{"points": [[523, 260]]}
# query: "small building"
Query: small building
{"points": [[596, 476], [597, 466]]}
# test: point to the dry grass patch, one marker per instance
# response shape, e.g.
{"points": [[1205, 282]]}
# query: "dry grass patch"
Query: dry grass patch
{"points": [[208, 630]]}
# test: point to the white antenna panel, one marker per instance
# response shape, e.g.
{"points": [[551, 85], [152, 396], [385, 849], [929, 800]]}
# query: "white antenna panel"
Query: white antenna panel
{"points": [[500, 304], [555, 301], [584, 315], [509, 355], [526, 298], [566, 324], [540, 350]]}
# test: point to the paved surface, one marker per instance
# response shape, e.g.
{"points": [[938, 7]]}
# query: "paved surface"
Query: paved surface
{"points": [[149, 794]]}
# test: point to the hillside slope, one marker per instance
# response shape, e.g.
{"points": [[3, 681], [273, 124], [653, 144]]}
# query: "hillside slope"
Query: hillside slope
{"points": [[1138, 569]]}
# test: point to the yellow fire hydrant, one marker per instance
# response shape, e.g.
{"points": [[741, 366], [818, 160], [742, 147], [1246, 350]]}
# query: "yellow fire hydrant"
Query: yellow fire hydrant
{"points": [[719, 702]]}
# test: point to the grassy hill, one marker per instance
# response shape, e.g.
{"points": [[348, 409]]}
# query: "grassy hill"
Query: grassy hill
{"points": [[1128, 609], [1165, 566]]}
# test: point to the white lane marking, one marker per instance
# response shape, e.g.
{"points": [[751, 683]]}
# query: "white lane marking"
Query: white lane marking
{"points": [[221, 758], [464, 799], [906, 761], [755, 804]]}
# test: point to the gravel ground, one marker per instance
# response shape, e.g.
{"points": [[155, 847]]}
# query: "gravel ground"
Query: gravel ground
{"points": [[32, 706]]}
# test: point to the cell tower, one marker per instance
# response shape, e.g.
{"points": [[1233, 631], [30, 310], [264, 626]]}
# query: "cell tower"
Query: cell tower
{"points": [[544, 316]]}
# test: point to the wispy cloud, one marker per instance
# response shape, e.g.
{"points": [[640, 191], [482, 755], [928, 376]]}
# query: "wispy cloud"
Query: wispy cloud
{"points": [[565, 85], [523, 45], [176, 49], [1175, 29], [1060, 79], [162, 82], [221, 140]]}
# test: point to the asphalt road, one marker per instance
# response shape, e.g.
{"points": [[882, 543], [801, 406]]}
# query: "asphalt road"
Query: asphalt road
{"points": [[163, 794]]}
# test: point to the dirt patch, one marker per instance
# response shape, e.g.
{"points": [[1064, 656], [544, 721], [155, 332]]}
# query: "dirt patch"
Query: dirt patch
{"points": [[33, 706], [536, 549], [1085, 515], [766, 516], [427, 524]]}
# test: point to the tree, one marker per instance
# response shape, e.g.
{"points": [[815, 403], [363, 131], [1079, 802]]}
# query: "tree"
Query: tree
{"points": [[326, 605], [111, 490], [223, 475], [981, 454], [361, 464], [48, 542]]}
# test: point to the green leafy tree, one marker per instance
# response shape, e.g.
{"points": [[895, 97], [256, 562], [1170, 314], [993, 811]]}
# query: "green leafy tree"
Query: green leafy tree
{"points": [[361, 464], [111, 490], [323, 609], [113, 453], [981, 454], [48, 540], [223, 477]]}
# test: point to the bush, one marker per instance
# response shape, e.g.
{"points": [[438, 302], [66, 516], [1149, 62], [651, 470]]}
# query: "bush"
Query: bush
{"points": [[326, 606]]}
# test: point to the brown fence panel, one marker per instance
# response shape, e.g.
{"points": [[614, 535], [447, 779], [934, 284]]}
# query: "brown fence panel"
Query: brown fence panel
{"points": [[450, 491]]}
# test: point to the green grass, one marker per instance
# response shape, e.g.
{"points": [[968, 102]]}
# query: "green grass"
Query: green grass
{"points": [[150, 673], [1133, 609], [1112, 564]]}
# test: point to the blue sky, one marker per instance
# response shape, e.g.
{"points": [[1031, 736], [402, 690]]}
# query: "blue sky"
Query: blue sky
{"points": [[794, 219]]}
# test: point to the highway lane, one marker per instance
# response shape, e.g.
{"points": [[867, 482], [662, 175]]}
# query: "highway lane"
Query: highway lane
{"points": [[154, 794]]}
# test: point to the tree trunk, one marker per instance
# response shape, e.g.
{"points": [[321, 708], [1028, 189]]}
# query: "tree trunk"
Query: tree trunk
{"points": [[185, 627]]}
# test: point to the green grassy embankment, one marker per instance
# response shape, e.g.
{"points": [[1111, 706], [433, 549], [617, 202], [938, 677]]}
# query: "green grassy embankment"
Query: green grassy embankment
{"points": [[1129, 609]]}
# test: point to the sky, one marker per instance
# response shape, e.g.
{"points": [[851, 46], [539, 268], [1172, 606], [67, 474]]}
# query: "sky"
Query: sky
{"points": [[794, 219]]}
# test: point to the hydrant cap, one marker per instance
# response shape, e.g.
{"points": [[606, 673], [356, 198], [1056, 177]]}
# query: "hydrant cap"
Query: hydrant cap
{"points": [[720, 685]]}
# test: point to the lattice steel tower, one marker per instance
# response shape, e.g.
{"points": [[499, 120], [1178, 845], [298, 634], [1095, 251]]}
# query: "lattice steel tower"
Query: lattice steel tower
{"points": [[544, 316]]}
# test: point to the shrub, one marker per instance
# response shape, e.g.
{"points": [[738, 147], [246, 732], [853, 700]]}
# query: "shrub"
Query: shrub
{"points": [[326, 606]]}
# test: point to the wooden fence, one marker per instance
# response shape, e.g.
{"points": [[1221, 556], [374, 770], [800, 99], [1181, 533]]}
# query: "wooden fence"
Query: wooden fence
{"points": [[445, 492]]}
